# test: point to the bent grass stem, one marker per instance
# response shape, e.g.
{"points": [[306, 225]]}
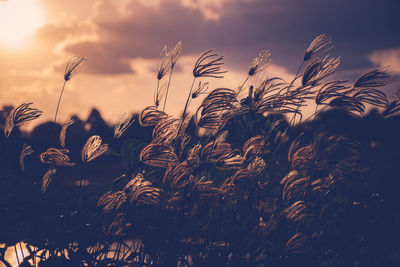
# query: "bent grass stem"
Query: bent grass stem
{"points": [[186, 105]]}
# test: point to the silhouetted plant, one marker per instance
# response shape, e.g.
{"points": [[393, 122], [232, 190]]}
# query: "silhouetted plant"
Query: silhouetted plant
{"points": [[72, 68], [238, 183]]}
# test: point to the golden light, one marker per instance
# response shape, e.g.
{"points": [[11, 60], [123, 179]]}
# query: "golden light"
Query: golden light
{"points": [[19, 19]]}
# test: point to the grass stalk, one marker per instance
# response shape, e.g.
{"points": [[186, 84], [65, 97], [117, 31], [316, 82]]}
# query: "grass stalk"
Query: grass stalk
{"points": [[186, 105], [166, 93], [156, 93], [59, 101]]}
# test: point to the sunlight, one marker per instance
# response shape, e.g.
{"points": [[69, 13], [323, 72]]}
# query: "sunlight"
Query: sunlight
{"points": [[19, 19]]}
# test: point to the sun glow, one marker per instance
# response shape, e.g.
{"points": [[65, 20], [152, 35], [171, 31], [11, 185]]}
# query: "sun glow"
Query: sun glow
{"points": [[19, 19]]}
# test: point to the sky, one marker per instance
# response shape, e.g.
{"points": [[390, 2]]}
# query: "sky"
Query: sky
{"points": [[122, 39]]}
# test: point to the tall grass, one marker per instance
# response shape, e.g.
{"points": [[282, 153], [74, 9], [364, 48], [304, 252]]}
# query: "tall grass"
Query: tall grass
{"points": [[238, 183]]}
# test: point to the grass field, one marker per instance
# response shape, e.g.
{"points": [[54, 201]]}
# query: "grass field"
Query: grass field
{"points": [[246, 180]]}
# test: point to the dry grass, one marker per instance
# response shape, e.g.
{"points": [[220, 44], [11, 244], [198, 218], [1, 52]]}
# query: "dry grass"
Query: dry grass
{"points": [[93, 148], [63, 131], [26, 150], [122, 125], [19, 115], [253, 189], [57, 157]]}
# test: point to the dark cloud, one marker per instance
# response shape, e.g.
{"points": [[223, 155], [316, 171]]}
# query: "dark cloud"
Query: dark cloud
{"points": [[244, 27], [142, 34], [356, 27], [102, 58]]}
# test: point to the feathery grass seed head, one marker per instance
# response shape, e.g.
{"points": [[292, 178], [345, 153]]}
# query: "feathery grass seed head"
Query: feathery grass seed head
{"points": [[20, 115], [319, 70], [122, 125], [47, 179], [231, 160], [73, 67], [202, 88], [393, 104], [56, 156], [150, 116], [159, 94], [26, 150], [209, 65], [163, 63], [296, 244], [257, 165], [64, 131], [321, 42], [112, 201], [373, 78], [296, 211], [175, 53], [93, 148], [158, 155], [260, 62]]}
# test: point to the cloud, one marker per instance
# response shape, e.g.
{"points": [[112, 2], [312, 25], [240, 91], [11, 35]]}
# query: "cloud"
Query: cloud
{"points": [[131, 29], [140, 33], [383, 58], [79, 10], [211, 9], [101, 59], [137, 30]]}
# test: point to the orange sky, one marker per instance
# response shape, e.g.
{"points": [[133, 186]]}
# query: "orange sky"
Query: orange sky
{"points": [[33, 69], [122, 40]]}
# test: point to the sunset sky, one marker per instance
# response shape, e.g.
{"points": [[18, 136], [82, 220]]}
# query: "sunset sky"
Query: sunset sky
{"points": [[123, 38]]}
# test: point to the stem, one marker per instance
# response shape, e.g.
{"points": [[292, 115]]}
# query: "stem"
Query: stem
{"points": [[291, 85], [156, 93], [298, 108], [186, 105], [229, 110], [327, 105], [243, 84], [295, 77], [59, 100], [169, 81], [287, 128], [316, 113]]}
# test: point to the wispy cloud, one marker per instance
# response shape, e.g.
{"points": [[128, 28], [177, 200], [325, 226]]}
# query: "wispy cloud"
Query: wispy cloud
{"points": [[386, 58]]}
